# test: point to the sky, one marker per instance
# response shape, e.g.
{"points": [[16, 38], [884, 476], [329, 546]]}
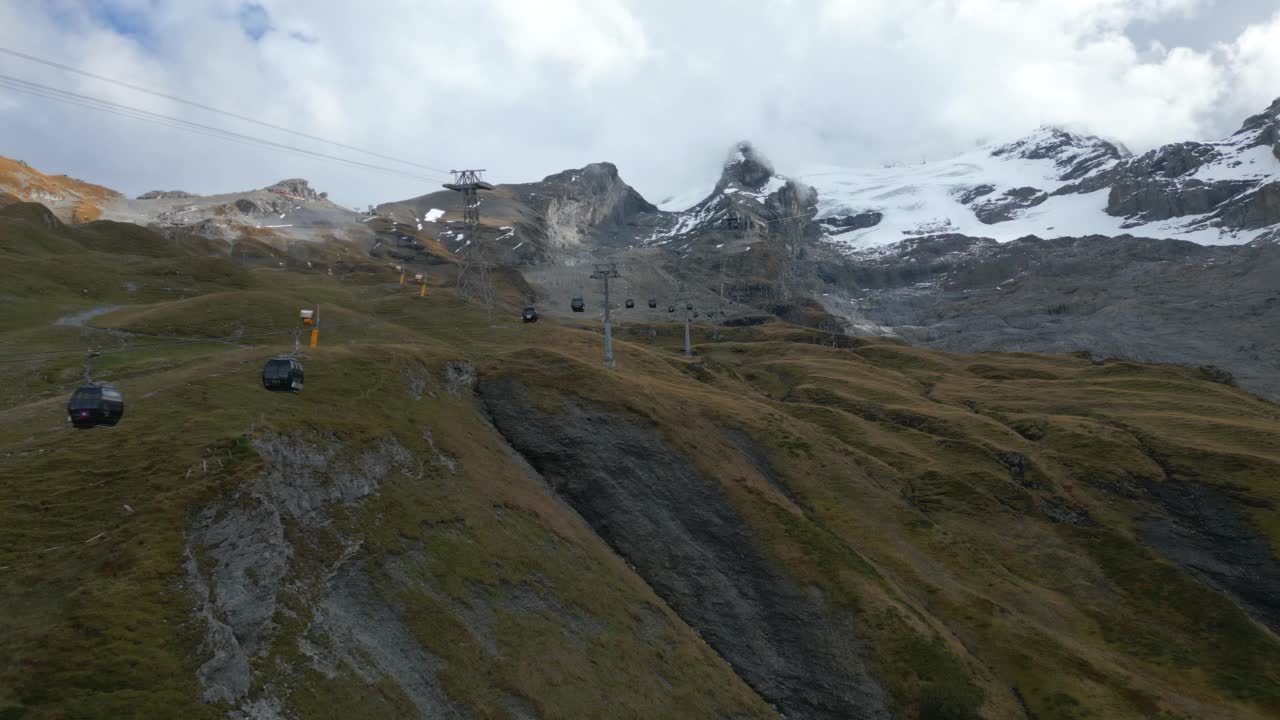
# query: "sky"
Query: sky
{"points": [[661, 88]]}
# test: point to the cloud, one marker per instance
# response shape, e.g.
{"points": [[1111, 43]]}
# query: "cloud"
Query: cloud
{"points": [[660, 87], [255, 20]]}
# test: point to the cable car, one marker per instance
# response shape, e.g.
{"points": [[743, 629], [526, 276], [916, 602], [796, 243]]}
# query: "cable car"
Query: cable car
{"points": [[731, 222], [653, 303], [688, 306], [671, 308], [577, 305], [529, 314], [94, 406], [630, 303], [282, 374]]}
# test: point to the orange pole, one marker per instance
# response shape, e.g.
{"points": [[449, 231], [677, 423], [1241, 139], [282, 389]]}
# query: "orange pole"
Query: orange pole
{"points": [[402, 277], [315, 336], [424, 291]]}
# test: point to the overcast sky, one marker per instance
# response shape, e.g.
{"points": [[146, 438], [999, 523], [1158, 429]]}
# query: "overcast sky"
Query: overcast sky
{"points": [[662, 88]]}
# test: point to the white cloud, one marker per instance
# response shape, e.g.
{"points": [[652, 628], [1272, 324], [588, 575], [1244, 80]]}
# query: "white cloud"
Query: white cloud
{"points": [[1254, 64], [594, 38], [660, 87]]}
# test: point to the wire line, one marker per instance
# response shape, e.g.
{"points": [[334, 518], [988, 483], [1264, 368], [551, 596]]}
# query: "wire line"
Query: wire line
{"points": [[53, 93], [212, 109]]}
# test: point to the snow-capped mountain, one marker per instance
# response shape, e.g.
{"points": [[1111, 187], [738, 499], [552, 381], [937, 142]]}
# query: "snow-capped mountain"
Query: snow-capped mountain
{"points": [[749, 195], [1052, 183]]}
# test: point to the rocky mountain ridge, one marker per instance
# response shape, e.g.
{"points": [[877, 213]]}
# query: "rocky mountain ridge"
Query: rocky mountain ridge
{"points": [[1054, 183]]}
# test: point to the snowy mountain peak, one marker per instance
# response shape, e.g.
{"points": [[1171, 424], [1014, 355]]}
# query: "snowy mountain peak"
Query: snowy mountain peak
{"points": [[1074, 155], [746, 167], [1262, 129]]}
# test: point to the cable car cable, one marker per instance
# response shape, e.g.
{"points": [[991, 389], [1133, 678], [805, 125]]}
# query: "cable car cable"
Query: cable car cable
{"points": [[219, 111], [40, 90]]}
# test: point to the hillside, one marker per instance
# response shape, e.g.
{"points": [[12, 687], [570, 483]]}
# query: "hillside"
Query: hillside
{"points": [[71, 200], [464, 516]]}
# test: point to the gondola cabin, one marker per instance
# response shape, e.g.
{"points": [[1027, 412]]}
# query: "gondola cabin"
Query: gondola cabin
{"points": [[307, 316], [577, 305], [630, 303], [282, 374], [653, 303], [529, 315], [671, 308], [95, 406]]}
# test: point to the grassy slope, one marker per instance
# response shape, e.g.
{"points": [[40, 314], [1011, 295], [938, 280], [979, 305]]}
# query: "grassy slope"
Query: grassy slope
{"points": [[900, 507]]}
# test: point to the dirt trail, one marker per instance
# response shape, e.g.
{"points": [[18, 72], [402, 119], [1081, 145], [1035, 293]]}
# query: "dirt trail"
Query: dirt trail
{"points": [[81, 318]]}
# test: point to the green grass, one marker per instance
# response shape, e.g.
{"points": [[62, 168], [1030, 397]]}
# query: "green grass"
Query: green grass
{"points": [[905, 516]]}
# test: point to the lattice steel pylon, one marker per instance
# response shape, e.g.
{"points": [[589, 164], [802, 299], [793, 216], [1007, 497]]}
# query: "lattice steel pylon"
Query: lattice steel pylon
{"points": [[606, 272], [469, 183]]}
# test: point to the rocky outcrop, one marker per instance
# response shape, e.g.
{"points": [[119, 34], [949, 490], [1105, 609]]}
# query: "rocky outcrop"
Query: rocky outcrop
{"points": [[847, 223], [681, 533], [296, 187], [746, 167], [968, 195], [241, 566], [1251, 209], [1008, 204], [1145, 199], [590, 201]]}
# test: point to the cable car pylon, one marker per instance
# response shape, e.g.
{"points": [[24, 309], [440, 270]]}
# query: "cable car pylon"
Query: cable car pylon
{"points": [[606, 272]]}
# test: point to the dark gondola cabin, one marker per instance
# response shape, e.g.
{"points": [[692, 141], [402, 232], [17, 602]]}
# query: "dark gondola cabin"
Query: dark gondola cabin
{"points": [[95, 405], [671, 308], [653, 303], [630, 303], [577, 305], [282, 374], [529, 314]]}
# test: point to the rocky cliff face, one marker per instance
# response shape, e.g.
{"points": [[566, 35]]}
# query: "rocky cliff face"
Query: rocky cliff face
{"points": [[1144, 299], [575, 205], [684, 536]]}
